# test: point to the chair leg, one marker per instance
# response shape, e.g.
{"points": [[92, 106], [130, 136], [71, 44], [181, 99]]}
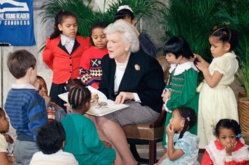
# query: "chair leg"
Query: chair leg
{"points": [[152, 152], [134, 152]]}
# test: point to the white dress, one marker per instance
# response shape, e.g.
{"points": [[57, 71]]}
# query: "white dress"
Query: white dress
{"points": [[218, 102]]}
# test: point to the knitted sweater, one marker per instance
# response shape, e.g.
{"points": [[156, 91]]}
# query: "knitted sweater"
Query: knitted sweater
{"points": [[27, 112]]}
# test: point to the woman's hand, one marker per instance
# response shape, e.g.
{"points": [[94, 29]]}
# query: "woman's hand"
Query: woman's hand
{"points": [[122, 96]]}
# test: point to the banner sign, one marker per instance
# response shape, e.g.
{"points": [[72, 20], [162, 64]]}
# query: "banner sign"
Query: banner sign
{"points": [[16, 22]]}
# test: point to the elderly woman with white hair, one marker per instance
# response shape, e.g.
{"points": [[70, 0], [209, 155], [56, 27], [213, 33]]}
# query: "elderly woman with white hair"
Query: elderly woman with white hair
{"points": [[130, 77]]}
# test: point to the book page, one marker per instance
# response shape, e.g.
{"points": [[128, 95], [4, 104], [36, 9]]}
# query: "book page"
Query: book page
{"points": [[98, 110]]}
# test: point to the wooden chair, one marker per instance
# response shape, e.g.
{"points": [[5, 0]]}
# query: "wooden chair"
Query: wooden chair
{"points": [[148, 133]]}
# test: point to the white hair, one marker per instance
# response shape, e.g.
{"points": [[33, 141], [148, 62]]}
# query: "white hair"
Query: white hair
{"points": [[127, 30]]}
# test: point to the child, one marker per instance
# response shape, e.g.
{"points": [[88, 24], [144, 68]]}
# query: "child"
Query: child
{"points": [[90, 63], [24, 106], [181, 86], [4, 138], [51, 139], [217, 99], [63, 51], [229, 147], [82, 138], [59, 113], [126, 13], [184, 149]]}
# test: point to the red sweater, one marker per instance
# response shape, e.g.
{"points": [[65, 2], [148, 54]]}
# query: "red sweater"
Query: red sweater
{"points": [[215, 154], [64, 66], [90, 66]]}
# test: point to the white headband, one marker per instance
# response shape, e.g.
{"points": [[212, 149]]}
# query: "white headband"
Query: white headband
{"points": [[124, 7]]}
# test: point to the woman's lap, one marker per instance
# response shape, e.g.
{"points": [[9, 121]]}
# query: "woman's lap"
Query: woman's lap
{"points": [[134, 114]]}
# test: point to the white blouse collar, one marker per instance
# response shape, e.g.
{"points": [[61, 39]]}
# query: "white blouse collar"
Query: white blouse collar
{"points": [[65, 40], [180, 68]]}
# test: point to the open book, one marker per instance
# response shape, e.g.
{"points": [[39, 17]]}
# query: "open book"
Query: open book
{"points": [[99, 110]]}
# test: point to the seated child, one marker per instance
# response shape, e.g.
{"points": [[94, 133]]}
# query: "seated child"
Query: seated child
{"points": [[229, 147], [59, 112], [50, 140], [4, 139], [182, 146], [82, 137], [24, 106]]}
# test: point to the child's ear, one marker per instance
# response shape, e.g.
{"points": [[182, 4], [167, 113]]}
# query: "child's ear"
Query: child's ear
{"points": [[133, 22], [182, 123], [60, 27], [227, 46]]}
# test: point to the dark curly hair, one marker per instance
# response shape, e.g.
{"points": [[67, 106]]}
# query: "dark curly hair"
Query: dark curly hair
{"points": [[50, 137]]}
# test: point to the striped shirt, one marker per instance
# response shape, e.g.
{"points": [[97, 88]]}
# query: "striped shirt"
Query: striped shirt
{"points": [[26, 110]]}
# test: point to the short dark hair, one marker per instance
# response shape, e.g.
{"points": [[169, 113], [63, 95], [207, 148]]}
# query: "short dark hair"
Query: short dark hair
{"points": [[98, 25], [177, 45], [19, 62], [228, 124], [50, 137]]}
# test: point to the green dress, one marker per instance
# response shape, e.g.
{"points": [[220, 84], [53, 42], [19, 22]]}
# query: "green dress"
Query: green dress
{"points": [[83, 142], [183, 84]]}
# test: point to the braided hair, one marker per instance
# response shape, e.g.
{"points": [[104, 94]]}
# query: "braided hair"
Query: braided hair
{"points": [[225, 34], [78, 97], [229, 124], [61, 14], [190, 118]]}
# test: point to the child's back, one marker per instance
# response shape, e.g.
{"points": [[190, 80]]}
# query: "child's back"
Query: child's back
{"points": [[81, 134], [24, 106]]}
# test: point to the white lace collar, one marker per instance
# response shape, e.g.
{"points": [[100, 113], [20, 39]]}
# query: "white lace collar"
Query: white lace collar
{"points": [[180, 68]]}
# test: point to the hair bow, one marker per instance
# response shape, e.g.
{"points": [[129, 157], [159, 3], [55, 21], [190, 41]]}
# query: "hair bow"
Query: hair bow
{"points": [[238, 136], [125, 7]]}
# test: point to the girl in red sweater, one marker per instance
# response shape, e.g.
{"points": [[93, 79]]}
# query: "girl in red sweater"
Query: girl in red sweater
{"points": [[229, 147], [90, 63], [63, 51]]}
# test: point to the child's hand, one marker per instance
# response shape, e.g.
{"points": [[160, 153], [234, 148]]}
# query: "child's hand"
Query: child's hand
{"points": [[170, 131], [46, 98], [229, 148], [166, 95], [8, 138], [69, 110], [107, 144]]}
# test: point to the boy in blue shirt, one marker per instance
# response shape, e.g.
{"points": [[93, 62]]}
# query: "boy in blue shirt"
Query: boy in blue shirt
{"points": [[24, 106]]}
